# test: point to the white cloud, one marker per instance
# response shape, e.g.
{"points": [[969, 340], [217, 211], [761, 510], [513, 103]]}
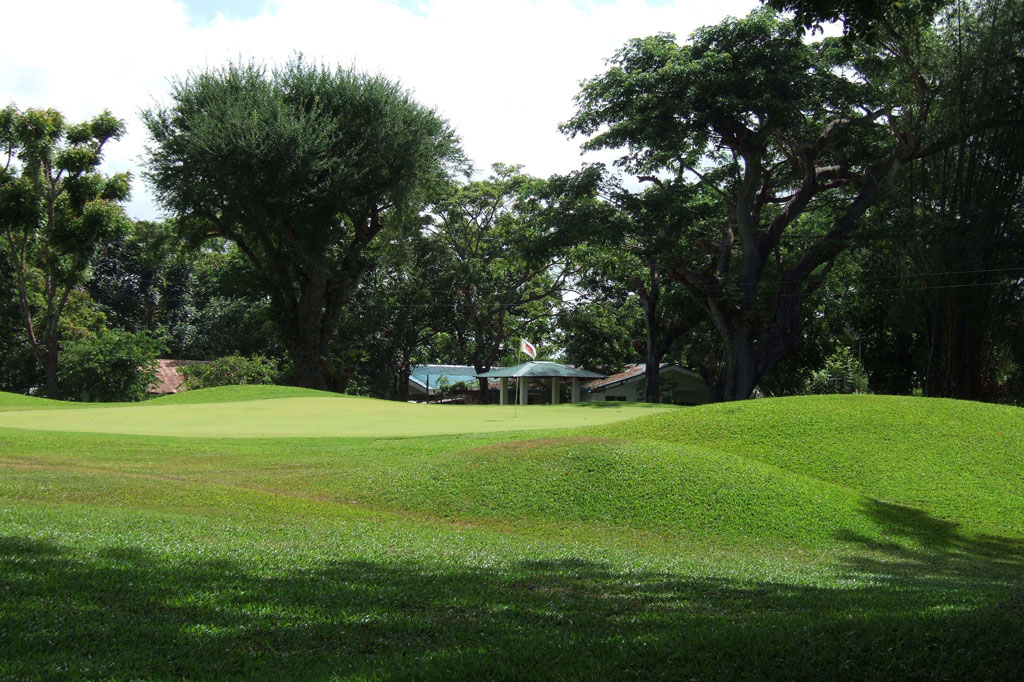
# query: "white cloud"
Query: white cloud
{"points": [[504, 73]]}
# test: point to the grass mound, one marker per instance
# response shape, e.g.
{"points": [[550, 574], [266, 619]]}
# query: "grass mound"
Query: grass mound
{"points": [[232, 394], [960, 461], [10, 402], [220, 394], [691, 496]]}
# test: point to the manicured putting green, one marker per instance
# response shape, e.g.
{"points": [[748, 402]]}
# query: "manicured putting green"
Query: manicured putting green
{"points": [[315, 417]]}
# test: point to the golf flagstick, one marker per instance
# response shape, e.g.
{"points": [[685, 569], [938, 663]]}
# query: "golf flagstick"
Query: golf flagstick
{"points": [[515, 405]]}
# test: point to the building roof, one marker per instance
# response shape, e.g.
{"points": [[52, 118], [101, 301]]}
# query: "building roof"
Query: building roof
{"points": [[420, 374], [631, 373], [169, 376], [540, 369]]}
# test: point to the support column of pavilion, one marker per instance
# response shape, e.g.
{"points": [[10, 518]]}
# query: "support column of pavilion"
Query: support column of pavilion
{"points": [[539, 370]]}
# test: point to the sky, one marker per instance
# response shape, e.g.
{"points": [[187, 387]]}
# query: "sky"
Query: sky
{"points": [[504, 73]]}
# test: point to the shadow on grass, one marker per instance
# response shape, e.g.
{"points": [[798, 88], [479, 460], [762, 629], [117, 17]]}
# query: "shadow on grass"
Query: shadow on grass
{"points": [[128, 614], [920, 544]]}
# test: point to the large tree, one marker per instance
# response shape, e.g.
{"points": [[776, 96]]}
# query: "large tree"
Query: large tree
{"points": [[502, 273], [302, 167], [631, 237], [953, 262], [399, 311], [798, 139], [879, 19], [57, 207]]}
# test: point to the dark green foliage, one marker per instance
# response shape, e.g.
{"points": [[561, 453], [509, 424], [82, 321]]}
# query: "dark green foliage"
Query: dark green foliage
{"points": [[601, 332], [871, 18], [301, 168], [502, 277], [932, 289], [842, 373], [792, 140], [134, 276], [20, 371], [632, 237], [219, 312], [960, 217], [668, 103], [392, 324], [226, 325], [198, 299], [233, 370], [113, 366]]}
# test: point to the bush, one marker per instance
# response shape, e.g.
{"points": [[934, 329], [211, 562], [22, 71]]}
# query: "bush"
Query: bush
{"points": [[111, 366], [842, 373], [232, 370]]}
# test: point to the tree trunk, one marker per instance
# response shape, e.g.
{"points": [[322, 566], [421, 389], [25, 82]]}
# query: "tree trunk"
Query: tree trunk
{"points": [[311, 370], [309, 325], [931, 373], [402, 389], [652, 358], [51, 366], [741, 372], [956, 348], [306, 350], [484, 395]]}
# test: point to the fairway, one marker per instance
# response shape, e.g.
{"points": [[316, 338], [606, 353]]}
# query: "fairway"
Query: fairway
{"points": [[820, 538], [254, 416]]}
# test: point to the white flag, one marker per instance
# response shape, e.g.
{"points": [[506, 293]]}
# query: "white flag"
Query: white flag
{"points": [[528, 348]]}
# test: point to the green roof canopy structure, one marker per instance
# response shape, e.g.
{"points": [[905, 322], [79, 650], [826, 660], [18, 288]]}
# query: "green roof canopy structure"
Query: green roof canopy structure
{"points": [[539, 370]]}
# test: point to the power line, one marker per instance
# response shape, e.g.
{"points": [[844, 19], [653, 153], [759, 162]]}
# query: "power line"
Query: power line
{"points": [[759, 295], [910, 275]]}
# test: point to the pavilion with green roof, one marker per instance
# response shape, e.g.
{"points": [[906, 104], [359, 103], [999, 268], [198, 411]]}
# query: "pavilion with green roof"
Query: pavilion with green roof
{"points": [[539, 370]]}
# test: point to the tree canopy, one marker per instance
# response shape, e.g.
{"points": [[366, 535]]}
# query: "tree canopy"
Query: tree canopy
{"points": [[301, 167], [796, 139], [503, 275]]}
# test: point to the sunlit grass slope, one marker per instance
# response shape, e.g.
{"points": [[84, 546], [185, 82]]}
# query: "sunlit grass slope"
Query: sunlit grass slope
{"points": [[805, 473], [14, 401], [230, 394], [276, 412], [963, 461], [550, 487], [813, 538], [221, 394]]}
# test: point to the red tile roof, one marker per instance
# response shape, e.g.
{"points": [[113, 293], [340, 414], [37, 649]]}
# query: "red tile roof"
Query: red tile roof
{"points": [[169, 376], [628, 373]]}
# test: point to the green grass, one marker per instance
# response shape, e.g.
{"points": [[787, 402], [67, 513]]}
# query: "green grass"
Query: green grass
{"points": [[820, 538], [960, 461], [276, 412], [229, 394]]}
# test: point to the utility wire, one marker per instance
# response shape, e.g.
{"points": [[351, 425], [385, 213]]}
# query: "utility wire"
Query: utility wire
{"points": [[909, 275], [758, 295]]}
